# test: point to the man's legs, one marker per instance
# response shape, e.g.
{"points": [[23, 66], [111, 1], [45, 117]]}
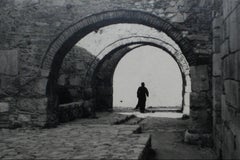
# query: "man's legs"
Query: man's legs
{"points": [[142, 105], [137, 106]]}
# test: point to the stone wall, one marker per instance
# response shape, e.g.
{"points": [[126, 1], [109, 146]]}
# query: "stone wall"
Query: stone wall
{"points": [[29, 108], [226, 79], [77, 67], [29, 27]]}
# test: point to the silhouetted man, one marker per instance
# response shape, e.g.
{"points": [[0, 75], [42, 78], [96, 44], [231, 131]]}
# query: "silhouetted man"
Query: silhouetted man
{"points": [[142, 93]]}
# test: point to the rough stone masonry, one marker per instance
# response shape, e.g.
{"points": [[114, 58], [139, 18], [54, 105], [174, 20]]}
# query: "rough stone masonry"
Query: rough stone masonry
{"points": [[36, 35], [30, 27]]}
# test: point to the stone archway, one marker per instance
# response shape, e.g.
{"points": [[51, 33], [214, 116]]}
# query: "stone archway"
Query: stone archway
{"points": [[102, 80], [57, 50]]}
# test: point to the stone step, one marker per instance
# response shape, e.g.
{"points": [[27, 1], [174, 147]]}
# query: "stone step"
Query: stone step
{"points": [[164, 109], [144, 155], [133, 121], [123, 118]]}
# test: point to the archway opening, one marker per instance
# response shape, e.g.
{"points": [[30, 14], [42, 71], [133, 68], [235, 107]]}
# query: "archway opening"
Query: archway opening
{"points": [[58, 49], [158, 70]]}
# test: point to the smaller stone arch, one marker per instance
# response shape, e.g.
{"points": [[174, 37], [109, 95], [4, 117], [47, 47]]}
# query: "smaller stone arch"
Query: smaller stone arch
{"points": [[112, 54], [169, 48]]}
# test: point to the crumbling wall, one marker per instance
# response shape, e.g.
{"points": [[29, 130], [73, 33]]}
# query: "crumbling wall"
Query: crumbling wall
{"points": [[225, 80]]}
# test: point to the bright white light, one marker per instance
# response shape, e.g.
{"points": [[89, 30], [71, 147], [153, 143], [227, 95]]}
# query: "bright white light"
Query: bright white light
{"points": [[157, 69], [153, 66]]}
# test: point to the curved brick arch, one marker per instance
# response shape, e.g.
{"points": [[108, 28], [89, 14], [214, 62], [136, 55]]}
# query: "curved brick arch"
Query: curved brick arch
{"points": [[70, 36], [62, 44], [112, 54]]}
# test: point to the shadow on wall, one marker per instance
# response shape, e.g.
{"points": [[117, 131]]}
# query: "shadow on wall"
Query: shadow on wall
{"points": [[74, 88]]}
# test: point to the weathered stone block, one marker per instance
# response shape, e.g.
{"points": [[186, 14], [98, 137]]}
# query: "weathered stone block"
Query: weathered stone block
{"points": [[200, 121], [237, 67], [9, 62], [217, 65], [232, 90], [225, 114], [62, 79], [199, 100], [200, 79], [228, 143], [198, 37], [4, 107], [179, 18], [217, 22], [217, 87], [70, 111], [32, 105], [9, 84], [40, 86], [216, 45], [198, 139], [234, 31], [187, 99], [230, 70], [228, 7], [225, 48], [24, 118], [203, 51], [45, 73], [41, 120]]}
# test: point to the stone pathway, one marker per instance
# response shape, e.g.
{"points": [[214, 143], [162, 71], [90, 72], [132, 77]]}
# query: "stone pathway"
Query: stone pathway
{"points": [[77, 140], [167, 140], [167, 135], [102, 139]]}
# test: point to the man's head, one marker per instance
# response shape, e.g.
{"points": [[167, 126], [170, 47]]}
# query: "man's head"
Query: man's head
{"points": [[143, 84]]}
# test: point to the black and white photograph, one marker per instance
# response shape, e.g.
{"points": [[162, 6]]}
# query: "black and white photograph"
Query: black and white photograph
{"points": [[119, 79]]}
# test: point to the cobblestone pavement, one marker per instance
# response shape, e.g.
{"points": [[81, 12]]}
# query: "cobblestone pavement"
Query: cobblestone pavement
{"points": [[100, 139], [76, 140]]}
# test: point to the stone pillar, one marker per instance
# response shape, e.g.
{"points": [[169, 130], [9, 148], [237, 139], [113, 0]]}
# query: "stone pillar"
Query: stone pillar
{"points": [[200, 103], [188, 90], [9, 83], [200, 114], [217, 83]]}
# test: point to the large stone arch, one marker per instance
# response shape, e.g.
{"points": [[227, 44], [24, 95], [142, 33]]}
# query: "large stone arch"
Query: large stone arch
{"points": [[68, 37], [113, 53], [57, 50]]}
